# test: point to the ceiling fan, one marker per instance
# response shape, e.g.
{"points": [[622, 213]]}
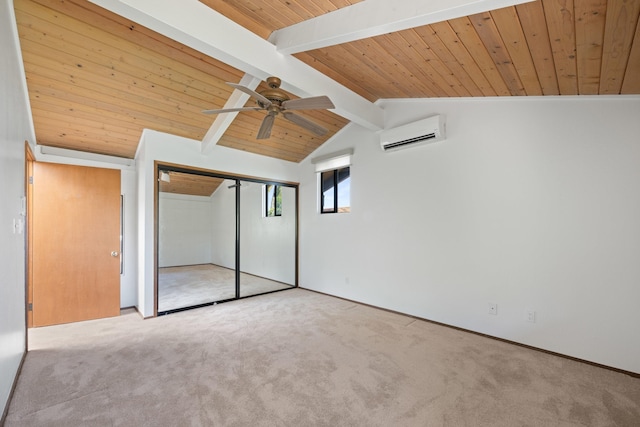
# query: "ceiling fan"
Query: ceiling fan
{"points": [[274, 100]]}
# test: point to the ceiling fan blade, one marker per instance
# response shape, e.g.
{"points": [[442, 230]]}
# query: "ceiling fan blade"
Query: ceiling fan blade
{"points": [[261, 99], [313, 103], [231, 110], [265, 128], [305, 123]]}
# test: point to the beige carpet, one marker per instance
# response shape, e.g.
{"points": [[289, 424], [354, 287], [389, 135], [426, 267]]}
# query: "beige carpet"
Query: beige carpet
{"points": [[298, 358], [191, 285]]}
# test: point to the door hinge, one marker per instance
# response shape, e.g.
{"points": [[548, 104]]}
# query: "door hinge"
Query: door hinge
{"points": [[31, 180], [30, 306]]}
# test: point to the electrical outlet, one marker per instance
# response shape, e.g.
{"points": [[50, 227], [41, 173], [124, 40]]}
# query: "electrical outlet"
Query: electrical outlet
{"points": [[493, 308], [531, 316]]}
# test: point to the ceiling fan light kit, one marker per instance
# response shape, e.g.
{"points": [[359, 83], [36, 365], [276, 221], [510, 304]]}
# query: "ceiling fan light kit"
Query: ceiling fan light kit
{"points": [[274, 100]]}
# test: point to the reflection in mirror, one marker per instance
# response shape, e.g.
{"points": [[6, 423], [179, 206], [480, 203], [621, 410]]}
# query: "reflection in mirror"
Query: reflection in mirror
{"points": [[197, 241], [267, 238], [185, 230]]}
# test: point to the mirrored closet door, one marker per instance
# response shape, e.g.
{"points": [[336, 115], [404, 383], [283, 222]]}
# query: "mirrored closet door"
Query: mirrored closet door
{"points": [[267, 238], [221, 238]]}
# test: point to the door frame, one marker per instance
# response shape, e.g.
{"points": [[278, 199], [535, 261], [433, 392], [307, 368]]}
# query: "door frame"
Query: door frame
{"points": [[174, 167], [29, 159]]}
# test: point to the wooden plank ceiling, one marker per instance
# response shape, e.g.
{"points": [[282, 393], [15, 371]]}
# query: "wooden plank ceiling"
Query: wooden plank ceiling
{"points": [[96, 79], [546, 47], [187, 183]]}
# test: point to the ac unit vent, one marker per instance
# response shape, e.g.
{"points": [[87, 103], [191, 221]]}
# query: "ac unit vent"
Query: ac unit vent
{"points": [[414, 134], [409, 141]]}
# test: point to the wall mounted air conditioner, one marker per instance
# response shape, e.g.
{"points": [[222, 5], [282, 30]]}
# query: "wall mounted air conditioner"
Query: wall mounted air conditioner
{"points": [[414, 134]]}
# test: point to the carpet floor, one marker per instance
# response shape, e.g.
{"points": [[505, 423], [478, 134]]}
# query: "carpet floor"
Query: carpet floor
{"points": [[191, 285], [299, 358]]}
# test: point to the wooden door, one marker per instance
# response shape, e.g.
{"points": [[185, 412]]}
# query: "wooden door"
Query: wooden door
{"points": [[76, 243]]}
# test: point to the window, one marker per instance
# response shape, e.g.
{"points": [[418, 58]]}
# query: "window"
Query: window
{"points": [[273, 200], [335, 181], [335, 190]]}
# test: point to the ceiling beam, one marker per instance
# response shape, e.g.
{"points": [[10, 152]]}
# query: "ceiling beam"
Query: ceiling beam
{"points": [[373, 18], [223, 121], [196, 25]]}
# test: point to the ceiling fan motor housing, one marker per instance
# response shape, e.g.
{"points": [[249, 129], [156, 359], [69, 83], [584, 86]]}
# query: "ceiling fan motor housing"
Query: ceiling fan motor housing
{"points": [[274, 94]]}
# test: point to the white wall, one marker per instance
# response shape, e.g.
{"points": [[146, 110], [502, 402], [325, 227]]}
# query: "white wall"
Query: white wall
{"points": [[184, 230], [532, 204], [129, 277], [157, 146], [14, 131], [145, 261]]}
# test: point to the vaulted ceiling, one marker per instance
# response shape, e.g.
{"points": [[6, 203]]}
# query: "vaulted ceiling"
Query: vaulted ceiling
{"points": [[99, 72], [189, 183]]}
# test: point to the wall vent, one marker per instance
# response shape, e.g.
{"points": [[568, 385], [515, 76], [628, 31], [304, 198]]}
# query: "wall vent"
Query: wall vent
{"points": [[414, 134]]}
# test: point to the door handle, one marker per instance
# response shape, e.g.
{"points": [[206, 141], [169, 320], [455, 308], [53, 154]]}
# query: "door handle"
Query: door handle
{"points": [[114, 254]]}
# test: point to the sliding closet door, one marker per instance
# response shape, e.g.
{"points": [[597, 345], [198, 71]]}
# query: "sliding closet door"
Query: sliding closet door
{"points": [[222, 238], [196, 241], [267, 238]]}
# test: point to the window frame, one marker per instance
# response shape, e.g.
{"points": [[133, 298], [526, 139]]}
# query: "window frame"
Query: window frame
{"points": [[276, 189], [335, 173]]}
